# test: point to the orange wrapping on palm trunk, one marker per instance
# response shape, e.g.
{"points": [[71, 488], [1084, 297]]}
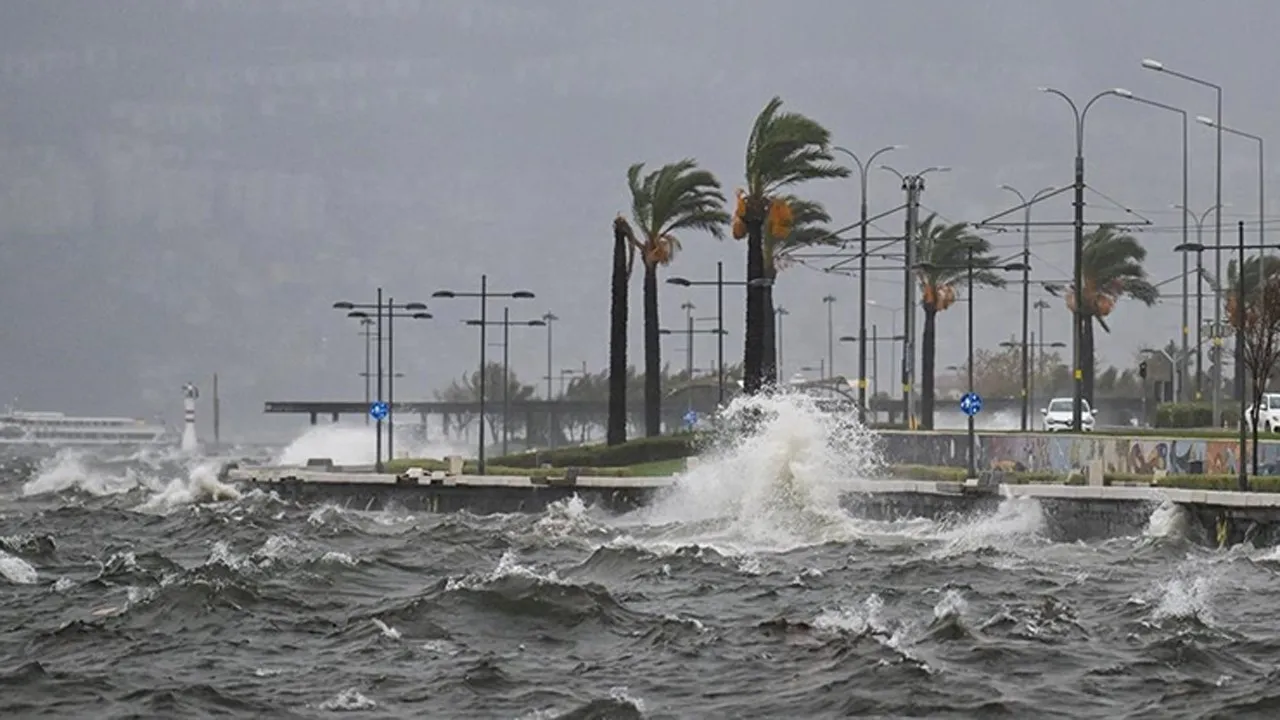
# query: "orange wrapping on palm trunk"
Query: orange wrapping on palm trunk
{"points": [[780, 218]]}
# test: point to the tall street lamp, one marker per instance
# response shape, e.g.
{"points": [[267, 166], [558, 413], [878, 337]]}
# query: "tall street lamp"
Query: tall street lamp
{"points": [[1186, 302], [549, 318], [506, 322], [863, 169], [1077, 332], [366, 330], [1026, 291], [1157, 66], [969, 267], [387, 310], [1199, 221], [484, 296], [830, 302]]}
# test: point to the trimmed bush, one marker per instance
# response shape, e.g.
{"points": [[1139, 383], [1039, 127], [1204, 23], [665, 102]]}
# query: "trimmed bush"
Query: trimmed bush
{"points": [[1184, 415], [633, 452]]}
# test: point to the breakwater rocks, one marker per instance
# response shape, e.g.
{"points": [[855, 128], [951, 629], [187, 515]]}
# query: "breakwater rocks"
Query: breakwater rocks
{"points": [[1135, 455]]}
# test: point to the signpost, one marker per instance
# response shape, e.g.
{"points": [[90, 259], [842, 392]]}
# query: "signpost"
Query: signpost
{"points": [[971, 405]]}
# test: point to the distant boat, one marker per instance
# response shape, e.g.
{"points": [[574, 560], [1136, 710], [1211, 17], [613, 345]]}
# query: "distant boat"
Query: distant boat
{"points": [[58, 430]]}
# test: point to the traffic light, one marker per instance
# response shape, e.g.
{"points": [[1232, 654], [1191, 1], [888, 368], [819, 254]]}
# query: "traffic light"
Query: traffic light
{"points": [[1142, 369]]}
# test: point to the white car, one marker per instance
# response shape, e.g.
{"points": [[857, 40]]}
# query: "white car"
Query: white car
{"points": [[1268, 416], [1057, 416]]}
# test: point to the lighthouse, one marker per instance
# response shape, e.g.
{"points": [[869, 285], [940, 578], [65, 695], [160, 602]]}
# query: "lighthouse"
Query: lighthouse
{"points": [[189, 395]]}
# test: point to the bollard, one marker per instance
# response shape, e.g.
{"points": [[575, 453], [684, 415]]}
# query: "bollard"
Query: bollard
{"points": [[455, 464]]}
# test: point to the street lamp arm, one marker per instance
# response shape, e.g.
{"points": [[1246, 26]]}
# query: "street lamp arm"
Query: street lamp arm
{"points": [[1158, 66]]}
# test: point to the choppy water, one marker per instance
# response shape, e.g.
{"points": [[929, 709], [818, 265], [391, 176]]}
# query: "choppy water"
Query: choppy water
{"points": [[141, 587]]}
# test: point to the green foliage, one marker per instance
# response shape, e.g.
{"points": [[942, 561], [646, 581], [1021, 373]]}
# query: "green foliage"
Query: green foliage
{"points": [[678, 196], [633, 452], [1184, 415], [786, 148]]}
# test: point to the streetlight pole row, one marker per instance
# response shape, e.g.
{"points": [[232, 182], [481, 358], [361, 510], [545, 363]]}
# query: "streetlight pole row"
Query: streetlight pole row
{"points": [[1242, 477], [1026, 291], [1199, 221], [506, 322], [913, 185], [969, 267], [862, 270], [415, 311], [484, 294], [874, 341], [719, 284], [1159, 67]]}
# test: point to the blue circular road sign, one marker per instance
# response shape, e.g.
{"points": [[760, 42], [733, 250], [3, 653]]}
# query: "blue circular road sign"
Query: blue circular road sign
{"points": [[378, 410], [690, 418], [971, 404]]}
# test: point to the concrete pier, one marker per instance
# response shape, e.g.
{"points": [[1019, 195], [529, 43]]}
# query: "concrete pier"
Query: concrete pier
{"points": [[441, 492], [1073, 512]]}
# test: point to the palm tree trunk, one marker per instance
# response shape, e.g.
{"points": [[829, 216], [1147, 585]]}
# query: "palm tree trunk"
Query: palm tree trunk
{"points": [[770, 344], [616, 430], [928, 353], [652, 354], [753, 338]]}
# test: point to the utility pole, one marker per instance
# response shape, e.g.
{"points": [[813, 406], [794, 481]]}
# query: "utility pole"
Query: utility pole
{"points": [[830, 301], [913, 184]]}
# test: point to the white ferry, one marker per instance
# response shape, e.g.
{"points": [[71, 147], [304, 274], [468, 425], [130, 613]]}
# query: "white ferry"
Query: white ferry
{"points": [[57, 429]]}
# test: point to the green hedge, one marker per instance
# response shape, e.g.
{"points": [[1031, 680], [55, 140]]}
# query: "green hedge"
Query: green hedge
{"points": [[400, 465], [1184, 415], [633, 452]]}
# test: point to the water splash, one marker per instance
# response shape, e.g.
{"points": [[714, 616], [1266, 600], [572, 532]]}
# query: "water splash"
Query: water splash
{"points": [[773, 476], [349, 444]]}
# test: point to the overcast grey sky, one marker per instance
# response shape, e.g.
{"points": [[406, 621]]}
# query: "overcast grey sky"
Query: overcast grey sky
{"points": [[186, 186]]}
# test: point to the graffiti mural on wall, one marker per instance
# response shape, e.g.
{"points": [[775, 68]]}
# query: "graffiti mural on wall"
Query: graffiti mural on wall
{"points": [[1064, 453]]}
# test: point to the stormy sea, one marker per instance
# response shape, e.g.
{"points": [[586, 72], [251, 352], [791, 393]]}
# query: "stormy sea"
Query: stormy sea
{"points": [[136, 585]]}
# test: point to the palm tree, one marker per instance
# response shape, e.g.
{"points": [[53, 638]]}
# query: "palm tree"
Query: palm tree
{"points": [[783, 149], [1111, 269], [675, 197], [808, 227], [624, 253], [944, 254]]}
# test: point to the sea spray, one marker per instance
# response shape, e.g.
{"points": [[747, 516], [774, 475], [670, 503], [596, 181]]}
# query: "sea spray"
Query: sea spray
{"points": [[772, 474]]}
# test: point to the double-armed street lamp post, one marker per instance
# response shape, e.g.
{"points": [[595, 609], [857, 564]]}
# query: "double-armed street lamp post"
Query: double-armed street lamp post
{"points": [[384, 310], [506, 322], [549, 318], [863, 222], [484, 295], [1079, 318], [1199, 221], [969, 267], [1026, 292]]}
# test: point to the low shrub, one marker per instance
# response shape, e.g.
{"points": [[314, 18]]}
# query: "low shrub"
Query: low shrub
{"points": [[632, 452], [1184, 415]]}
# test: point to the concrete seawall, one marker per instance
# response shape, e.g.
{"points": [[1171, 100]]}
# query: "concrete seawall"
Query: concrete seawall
{"points": [[366, 490], [1070, 512], [1138, 455]]}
